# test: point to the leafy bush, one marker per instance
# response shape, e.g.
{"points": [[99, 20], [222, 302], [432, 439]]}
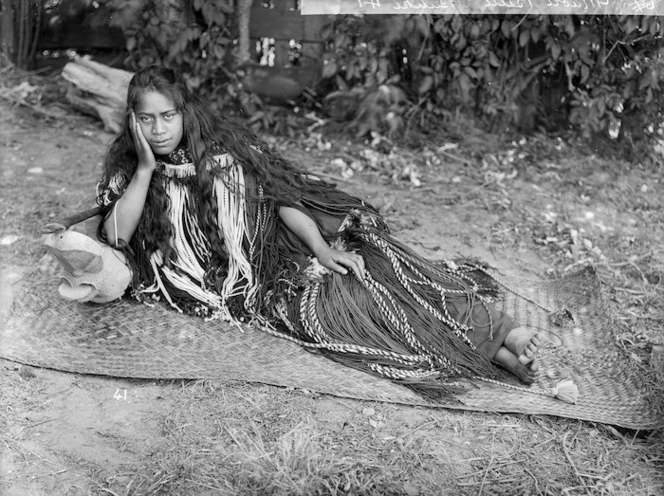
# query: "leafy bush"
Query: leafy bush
{"points": [[596, 74], [196, 41]]}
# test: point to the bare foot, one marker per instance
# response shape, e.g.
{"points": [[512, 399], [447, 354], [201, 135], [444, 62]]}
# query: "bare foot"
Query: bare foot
{"points": [[523, 343], [527, 373]]}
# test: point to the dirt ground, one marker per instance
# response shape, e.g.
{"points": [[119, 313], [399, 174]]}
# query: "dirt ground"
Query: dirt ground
{"points": [[534, 207]]}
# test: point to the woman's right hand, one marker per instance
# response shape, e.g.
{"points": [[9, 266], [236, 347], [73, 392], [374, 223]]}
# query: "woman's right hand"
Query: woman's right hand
{"points": [[146, 159]]}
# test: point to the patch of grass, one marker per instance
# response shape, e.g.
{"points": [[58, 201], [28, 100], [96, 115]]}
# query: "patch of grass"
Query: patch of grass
{"points": [[19, 393], [227, 438], [236, 439]]}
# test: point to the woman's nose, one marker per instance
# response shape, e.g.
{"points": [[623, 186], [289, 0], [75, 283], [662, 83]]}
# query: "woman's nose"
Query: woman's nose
{"points": [[157, 127]]}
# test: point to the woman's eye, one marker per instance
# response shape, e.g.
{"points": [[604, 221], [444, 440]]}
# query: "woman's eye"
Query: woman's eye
{"points": [[144, 118], [168, 117]]}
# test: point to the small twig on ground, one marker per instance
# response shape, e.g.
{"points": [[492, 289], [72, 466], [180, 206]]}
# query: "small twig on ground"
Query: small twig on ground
{"points": [[486, 473], [631, 262], [485, 470], [39, 423], [539, 491], [108, 491], [571, 462], [455, 157], [502, 481], [419, 427], [630, 291]]}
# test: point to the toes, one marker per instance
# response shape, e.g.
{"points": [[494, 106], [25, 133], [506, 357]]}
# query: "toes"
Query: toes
{"points": [[533, 371], [535, 343], [534, 366], [529, 351], [526, 357]]}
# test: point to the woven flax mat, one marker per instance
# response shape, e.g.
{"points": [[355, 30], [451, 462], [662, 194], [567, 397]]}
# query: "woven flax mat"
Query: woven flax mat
{"points": [[127, 339]]}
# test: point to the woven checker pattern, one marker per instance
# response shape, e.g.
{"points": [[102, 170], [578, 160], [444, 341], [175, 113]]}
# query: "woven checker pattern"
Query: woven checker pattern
{"points": [[127, 339]]}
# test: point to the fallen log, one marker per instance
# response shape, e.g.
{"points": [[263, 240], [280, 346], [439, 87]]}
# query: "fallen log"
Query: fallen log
{"points": [[98, 90]]}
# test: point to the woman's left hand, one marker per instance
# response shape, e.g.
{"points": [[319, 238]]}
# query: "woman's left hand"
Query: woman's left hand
{"points": [[340, 261]]}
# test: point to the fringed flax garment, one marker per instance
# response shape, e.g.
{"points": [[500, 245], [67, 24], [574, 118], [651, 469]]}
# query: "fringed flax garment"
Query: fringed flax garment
{"points": [[409, 320]]}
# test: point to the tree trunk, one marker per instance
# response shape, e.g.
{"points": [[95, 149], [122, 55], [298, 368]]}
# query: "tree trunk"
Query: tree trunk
{"points": [[243, 8], [7, 28], [98, 90]]}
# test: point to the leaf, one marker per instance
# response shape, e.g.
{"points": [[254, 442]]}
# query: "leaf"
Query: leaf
{"points": [[425, 85], [535, 34], [524, 37], [493, 59], [179, 45], [555, 51], [341, 83], [340, 40], [461, 42], [329, 69], [204, 40], [219, 52], [630, 25], [628, 90], [466, 86], [646, 79], [569, 26], [457, 23], [193, 33], [506, 28], [423, 26], [226, 7]]}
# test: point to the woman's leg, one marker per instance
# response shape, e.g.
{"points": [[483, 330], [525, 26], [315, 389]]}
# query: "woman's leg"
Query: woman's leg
{"points": [[498, 337]]}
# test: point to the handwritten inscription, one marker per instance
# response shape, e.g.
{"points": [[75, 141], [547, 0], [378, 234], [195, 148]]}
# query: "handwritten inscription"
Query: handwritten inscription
{"points": [[369, 4], [644, 7], [604, 7], [591, 5], [510, 4]]}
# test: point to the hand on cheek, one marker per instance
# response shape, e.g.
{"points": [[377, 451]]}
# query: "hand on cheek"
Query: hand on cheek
{"points": [[146, 159]]}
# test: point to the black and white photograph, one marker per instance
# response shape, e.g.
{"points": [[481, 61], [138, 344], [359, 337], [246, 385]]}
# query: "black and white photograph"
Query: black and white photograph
{"points": [[332, 247]]}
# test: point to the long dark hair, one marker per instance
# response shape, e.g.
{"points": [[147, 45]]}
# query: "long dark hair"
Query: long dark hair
{"points": [[204, 133]]}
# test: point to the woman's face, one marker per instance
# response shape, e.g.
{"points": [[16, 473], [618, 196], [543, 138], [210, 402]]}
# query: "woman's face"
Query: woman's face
{"points": [[160, 121]]}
